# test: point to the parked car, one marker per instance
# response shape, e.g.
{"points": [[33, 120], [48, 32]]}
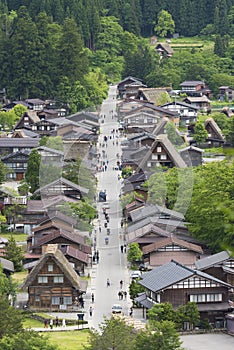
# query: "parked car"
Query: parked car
{"points": [[116, 309], [135, 274]]}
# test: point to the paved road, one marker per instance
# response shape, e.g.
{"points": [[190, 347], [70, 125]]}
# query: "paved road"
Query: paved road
{"points": [[208, 342], [112, 262]]}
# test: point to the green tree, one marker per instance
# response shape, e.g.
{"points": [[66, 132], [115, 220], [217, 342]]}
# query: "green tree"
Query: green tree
{"points": [[10, 319], [14, 253], [32, 172], [212, 199], [134, 289], [165, 25], [73, 58], [172, 134], [114, 334], [161, 312], [159, 336], [200, 133], [134, 253], [188, 313], [27, 340], [7, 287], [85, 213], [157, 187]]}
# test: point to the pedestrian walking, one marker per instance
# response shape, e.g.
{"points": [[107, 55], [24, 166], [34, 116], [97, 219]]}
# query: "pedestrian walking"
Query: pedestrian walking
{"points": [[51, 324], [56, 322], [45, 323], [121, 248], [120, 295], [131, 311], [92, 297], [90, 311], [125, 294], [63, 323], [121, 284], [108, 282]]}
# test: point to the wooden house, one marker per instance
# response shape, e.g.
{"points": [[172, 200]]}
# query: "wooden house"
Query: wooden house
{"points": [[35, 104], [192, 156], [195, 88], [131, 90], [226, 93], [134, 183], [131, 157], [77, 258], [55, 234], [140, 122], [27, 120], [53, 284], [164, 50], [188, 113], [202, 103], [162, 153], [17, 163], [121, 87], [10, 145], [179, 284], [62, 186], [215, 137], [146, 117], [140, 139], [165, 249], [220, 265]]}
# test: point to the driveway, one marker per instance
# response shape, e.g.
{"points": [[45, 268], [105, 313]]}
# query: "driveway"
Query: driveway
{"points": [[215, 341]]}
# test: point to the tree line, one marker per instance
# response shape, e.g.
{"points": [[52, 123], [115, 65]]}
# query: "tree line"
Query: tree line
{"points": [[136, 16]]}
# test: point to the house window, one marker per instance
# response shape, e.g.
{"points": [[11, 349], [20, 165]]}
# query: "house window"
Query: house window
{"points": [[55, 300], [206, 298], [148, 164], [67, 300], [159, 149], [154, 156], [163, 157], [37, 298], [42, 279], [50, 267], [58, 279]]}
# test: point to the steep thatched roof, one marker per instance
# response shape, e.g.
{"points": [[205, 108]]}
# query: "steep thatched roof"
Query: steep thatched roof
{"points": [[169, 148], [53, 252], [215, 127]]}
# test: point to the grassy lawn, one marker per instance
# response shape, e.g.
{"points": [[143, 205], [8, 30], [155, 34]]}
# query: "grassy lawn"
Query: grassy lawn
{"points": [[19, 237], [19, 277], [32, 323], [72, 340]]}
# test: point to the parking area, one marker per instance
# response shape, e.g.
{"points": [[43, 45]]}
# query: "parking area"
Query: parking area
{"points": [[214, 341]]}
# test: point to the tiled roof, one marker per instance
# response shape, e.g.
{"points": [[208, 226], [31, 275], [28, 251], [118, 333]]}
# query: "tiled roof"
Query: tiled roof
{"points": [[75, 253], [212, 260], [169, 274], [152, 210], [7, 264], [192, 83], [26, 142], [171, 240]]}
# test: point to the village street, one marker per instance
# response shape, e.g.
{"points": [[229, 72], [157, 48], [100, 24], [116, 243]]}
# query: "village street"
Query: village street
{"points": [[112, 263]]}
